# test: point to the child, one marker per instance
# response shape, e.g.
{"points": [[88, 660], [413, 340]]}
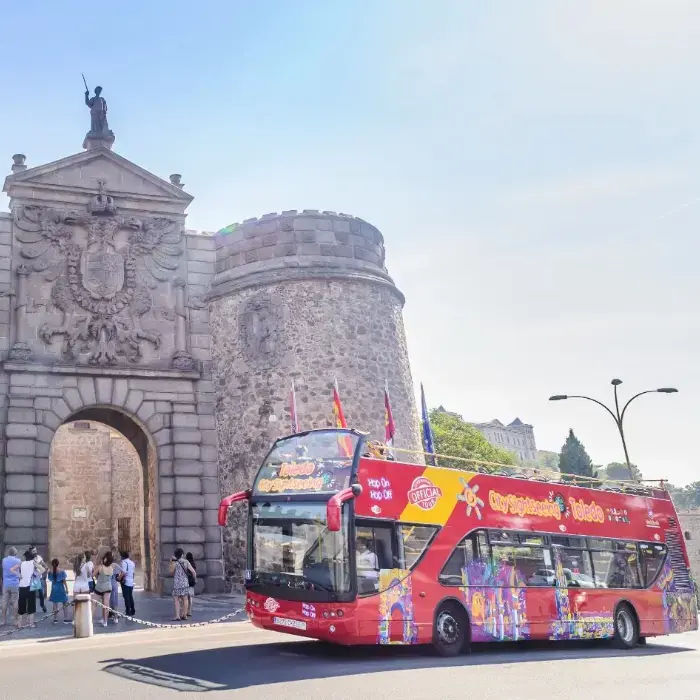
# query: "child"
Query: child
{"points": [[59, 591]]}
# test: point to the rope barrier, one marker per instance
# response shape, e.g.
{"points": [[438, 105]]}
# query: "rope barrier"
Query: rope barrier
{"points": [[161, 625], [146, 623], [7, 633]]}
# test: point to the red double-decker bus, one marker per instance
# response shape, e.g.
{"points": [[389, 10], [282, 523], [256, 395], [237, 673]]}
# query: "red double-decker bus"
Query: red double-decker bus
{"points": [[354, 549]]}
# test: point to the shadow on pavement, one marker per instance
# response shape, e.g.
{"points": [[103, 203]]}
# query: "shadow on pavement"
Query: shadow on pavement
{"points": [[261, 664]]}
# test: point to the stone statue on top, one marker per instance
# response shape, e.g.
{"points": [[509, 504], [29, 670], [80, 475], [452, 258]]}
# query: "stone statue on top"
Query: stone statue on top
{"points": [[100, 134]]}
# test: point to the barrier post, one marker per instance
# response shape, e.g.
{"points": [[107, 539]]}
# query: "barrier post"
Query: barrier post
{"points": [[82, 616]]}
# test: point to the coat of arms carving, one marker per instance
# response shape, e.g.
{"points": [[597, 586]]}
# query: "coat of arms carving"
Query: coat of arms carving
{"points": [[100, 281]]}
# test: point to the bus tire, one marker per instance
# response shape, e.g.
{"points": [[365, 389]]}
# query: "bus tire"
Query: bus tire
{"points": [[626, 627], [451, 630]]}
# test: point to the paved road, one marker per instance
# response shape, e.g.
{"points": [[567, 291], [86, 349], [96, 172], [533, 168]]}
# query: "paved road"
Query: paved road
{"points": [[235, 660]]}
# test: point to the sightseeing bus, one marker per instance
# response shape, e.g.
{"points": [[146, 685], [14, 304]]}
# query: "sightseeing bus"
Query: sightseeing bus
{"points": [[352, 547]]}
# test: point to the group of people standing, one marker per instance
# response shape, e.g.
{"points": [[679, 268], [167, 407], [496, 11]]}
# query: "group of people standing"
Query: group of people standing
{"points": [[105, 580], [24, 581]]}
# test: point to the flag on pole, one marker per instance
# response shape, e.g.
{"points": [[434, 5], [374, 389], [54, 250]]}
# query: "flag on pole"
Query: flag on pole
{"points": [[389, 427], [344, 442], [428, 444], [293, 410]]}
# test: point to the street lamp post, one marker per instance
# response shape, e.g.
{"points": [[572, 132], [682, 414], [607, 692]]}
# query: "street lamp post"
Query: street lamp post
{"points": [[618, 416]]}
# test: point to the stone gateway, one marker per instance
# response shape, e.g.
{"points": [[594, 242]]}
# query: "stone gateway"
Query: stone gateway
{"points": [[184, 345]]}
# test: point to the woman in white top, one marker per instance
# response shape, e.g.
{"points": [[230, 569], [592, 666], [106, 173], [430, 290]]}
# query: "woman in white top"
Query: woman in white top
{"points": [[81, 570], [27, 597]]}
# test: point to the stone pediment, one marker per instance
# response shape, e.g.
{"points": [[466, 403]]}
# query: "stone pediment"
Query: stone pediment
{"points": [[79, 174]]}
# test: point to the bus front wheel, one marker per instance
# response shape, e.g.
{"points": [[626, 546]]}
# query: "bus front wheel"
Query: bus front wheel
{"points": [[451, 630], [626, 627]]}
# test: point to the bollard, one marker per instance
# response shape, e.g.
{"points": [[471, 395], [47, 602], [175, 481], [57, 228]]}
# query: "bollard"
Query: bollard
{"points": [[82, 615]]}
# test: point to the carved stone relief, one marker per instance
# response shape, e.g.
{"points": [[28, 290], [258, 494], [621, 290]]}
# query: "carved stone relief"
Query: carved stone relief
{"points": [[260, 323], [102, 282]]}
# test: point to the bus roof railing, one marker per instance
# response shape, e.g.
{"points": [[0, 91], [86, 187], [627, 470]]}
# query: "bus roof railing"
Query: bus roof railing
{"points": [[631, 487]]}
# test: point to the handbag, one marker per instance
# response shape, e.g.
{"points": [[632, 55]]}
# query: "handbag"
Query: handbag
{"points": [[35, 581], [191, 578]]}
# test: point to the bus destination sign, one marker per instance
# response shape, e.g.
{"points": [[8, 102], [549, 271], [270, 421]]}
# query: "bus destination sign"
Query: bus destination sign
{"points": [[304, 476]]}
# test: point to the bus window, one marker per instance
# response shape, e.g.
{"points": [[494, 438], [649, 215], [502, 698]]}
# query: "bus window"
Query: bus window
{"points": [[471, 548], [615, 569], [415, 538], [576, 564], [533, 564], [652, 557], [375, 552]]}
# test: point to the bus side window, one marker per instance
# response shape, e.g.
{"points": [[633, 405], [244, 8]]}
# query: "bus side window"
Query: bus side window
{"points": [[471, 548], [652, 557], [375, 552], [415, 539]]}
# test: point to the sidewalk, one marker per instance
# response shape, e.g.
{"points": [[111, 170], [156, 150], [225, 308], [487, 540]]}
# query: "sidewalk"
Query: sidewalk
{"points": [[149, 606]]}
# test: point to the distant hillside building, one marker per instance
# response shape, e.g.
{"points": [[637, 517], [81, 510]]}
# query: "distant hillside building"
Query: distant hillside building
{"points": [[517, 437]]}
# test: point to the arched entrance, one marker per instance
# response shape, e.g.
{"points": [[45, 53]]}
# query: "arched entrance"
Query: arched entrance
{"points": [[102, 489]]}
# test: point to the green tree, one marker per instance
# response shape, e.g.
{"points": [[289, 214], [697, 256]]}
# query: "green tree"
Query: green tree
{"points": [[573, 458], [685, 497], [454, 436], [617, 471]]}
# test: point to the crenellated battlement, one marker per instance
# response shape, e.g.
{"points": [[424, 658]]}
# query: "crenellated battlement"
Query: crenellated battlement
{"points": [[297, 244]]}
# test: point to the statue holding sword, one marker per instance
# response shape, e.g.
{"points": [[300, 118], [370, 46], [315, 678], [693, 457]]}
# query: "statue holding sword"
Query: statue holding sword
{"points": [[98, 111]]}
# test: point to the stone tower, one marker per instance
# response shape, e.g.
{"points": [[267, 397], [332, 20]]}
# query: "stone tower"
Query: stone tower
{"points": [[304, 297]]}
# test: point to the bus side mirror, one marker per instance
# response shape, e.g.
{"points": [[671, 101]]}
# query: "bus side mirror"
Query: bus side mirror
{"points": [[227, 502], [335, 506]]}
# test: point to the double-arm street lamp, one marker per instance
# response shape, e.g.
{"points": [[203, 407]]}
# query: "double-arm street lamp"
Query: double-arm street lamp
{"points": [[618, 416]]}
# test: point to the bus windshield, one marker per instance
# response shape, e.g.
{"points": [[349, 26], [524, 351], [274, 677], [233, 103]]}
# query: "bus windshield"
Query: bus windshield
{"points": [[316, 462], [293, 548]]}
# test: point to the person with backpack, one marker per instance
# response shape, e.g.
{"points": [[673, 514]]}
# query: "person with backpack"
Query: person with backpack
{"points": [[182, 573], [29, 583]]}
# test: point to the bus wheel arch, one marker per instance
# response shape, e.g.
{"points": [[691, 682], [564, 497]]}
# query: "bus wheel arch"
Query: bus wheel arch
{"points": [[625, 625], [451, 627]]}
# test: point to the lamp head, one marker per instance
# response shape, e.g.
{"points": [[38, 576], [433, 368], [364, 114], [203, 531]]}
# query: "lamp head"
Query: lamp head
{"points": [[667, 390], [558, 397], [616, 382]]}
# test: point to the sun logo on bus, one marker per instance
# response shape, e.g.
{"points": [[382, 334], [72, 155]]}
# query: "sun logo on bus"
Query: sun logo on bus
{"points": [[469, 496]]}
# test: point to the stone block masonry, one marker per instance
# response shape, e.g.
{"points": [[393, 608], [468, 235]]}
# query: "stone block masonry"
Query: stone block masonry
{"points": [[311, 318], [184, 343]]}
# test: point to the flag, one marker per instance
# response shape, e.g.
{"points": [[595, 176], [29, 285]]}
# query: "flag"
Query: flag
{"points": [[344, 442], [389, 427], [428, 445], [293, 410]]}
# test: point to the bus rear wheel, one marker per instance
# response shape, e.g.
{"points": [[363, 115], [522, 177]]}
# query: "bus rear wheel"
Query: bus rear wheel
{"points": [[626, 627], [451, 630]]}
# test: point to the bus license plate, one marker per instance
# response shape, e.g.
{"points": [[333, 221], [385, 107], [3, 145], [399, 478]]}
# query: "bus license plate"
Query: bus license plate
{"points": [[286, 622]]}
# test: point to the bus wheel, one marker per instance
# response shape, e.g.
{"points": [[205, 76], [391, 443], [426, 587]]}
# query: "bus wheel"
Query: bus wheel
{"points": [[626, 627], [451, 630]]}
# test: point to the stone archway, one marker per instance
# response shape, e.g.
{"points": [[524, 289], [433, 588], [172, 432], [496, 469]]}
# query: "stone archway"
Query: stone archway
{"points": [[103, 488]]}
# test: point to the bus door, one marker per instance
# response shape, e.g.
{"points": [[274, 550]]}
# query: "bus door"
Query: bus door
{"points": [[384, 586]]}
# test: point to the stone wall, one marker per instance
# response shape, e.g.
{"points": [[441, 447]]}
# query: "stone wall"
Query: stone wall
{"points": [[95, 479], [690, 525], [103, 317], [303, 297]]}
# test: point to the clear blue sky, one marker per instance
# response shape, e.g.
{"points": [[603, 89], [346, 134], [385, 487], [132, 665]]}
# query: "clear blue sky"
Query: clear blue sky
{"points": [[533, 167]]}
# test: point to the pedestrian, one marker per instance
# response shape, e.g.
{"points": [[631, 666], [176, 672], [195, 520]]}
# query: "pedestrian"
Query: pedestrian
{"points": [[27, 591], [117, 573], [41, 570], [90, 570], [183, 573], [10, 586], [59, 591], [128, 569], [103, 584], [190, 598], [80, 568]]}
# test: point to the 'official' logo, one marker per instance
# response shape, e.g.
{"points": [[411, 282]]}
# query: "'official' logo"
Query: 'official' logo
{"points": [[423, 493]]}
